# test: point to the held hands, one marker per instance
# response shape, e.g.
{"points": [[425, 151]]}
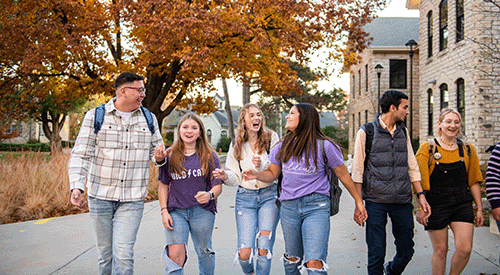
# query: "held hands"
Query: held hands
{"points": [[220, 174], [423, 211], [360, 214], [161, 153], [77, 198], [496, 213], [202, 197], [167, 220]]}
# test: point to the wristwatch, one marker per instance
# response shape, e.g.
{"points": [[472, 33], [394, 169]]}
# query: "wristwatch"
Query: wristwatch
{"points": [[211, 195], [420, 193]]}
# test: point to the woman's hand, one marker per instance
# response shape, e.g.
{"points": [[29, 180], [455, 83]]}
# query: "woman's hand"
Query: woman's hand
{"points": [[202, 197], [167, 220], [479, 217], [256, 161], [249, 174], [422, 217], [220, 174]]}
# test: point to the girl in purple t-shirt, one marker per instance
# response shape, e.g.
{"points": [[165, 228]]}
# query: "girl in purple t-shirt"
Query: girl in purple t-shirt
{"points": [[305, 201], [186, 194]]}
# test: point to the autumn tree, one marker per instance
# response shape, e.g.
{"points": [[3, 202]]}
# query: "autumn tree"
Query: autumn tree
{"points": [[180, 45]]}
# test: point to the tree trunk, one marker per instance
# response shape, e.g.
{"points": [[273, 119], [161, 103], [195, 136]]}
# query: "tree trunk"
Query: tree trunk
{"points": [[246, 90], [56, 120], [228, 109]]}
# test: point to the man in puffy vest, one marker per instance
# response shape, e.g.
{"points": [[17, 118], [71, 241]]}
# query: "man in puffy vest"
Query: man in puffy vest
{"points": [[111, 158], [384, 169]]}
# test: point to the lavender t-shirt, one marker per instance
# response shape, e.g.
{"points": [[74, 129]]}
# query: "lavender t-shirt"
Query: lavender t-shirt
{"points": [[300, 180], [184, 187]]}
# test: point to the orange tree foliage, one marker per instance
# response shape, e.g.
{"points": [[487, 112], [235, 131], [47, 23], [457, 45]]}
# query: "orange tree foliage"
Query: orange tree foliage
{"points": [[72, 48]]}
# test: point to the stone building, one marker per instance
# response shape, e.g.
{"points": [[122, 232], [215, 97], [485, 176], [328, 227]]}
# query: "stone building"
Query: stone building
{"points": [[387, 49], [459, 68]]}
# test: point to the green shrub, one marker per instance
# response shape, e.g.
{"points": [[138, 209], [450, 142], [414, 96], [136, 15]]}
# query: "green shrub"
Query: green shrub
{"points": [[338, 134], [42, 147], [223, 144]]}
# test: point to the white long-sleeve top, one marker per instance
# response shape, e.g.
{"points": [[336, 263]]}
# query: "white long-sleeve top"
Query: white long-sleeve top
{"points": [[233, 169]]}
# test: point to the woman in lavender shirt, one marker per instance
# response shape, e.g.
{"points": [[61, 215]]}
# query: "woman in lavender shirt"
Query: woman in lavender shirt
{"points": [[186, 194], [256, 211], [305, 200]]}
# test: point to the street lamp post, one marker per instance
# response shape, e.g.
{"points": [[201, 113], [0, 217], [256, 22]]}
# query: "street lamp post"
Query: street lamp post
{"points": [[410, 45], [378, 69]]}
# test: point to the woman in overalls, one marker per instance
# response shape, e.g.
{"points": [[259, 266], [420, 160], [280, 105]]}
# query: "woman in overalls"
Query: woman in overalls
{"points": [[451, 177]]}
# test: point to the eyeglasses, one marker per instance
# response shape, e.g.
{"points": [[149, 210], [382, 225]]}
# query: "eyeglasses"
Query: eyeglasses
{"points": [[141, 90]]}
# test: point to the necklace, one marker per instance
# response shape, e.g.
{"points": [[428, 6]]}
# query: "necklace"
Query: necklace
{"points": [[448, 144]]}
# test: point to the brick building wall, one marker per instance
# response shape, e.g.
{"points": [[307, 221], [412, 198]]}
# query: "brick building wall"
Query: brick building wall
{"points": [[461, 61]]}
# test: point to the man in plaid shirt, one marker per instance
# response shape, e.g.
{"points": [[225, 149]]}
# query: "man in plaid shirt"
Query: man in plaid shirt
{"points": [[114, 163]]}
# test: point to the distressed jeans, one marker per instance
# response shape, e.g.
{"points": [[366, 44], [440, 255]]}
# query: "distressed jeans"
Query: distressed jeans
{"points": [[256, 211], [306, 229], [200, 223], [115, 228]]}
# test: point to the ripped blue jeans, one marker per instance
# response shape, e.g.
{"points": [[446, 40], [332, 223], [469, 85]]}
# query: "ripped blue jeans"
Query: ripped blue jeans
{"points": [[200, 223], [306, 230], [256, 211]]}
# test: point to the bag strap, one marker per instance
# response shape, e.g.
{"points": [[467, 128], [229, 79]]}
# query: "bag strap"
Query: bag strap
{"points": [[368, 127], [149, 119], [327, 168], [98, 118], [432, 149]]}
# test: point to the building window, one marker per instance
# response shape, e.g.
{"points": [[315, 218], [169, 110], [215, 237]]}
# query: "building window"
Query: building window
{"points": [[430, 33], [359, 119], [460, 20], [366, 78], [461, 99], [430, 121], [353, 86], [359, 82], [397, 74], [223, 133], [354, 128], [445, 96], [366, 116], [209, 135], [443, 25], [14, 128]]}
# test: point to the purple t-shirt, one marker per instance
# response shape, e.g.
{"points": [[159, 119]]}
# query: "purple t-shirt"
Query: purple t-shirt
{"points": [[184, 187], [300, 180]]}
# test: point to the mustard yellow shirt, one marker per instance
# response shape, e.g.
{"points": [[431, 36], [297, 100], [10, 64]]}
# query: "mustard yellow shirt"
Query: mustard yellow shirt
{"points": [[447, 156]]}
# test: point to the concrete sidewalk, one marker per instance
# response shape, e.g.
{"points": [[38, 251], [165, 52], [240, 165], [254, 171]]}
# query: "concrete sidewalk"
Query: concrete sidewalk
{"points": [[65, 245]]}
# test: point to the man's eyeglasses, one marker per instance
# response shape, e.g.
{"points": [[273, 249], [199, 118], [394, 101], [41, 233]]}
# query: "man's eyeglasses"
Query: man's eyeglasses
{"points": [[140, 90]]}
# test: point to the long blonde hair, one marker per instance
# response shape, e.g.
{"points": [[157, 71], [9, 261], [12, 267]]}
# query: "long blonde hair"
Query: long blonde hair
{"points": [[443, 113], [263, 135], [204, 149]]}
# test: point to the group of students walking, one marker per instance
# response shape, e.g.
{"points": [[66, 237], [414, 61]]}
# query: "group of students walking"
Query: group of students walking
{"points": [[278, 180]]}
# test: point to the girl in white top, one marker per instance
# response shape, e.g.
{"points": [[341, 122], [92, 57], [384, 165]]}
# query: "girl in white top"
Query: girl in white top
{"points": [[256, 211]]}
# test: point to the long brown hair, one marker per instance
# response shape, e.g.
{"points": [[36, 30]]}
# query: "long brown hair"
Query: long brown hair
{"points": [[204, 149], [304, 138], [263, 135]]}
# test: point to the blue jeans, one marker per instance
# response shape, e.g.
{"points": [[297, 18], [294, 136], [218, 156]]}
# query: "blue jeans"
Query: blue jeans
{"points": [[256, 211], [401, 216], [200, 222], [115, 228], [306, 229]]}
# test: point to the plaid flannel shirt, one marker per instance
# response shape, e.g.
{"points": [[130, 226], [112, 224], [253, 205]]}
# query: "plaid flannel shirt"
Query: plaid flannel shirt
{"points": [[115, 161]]}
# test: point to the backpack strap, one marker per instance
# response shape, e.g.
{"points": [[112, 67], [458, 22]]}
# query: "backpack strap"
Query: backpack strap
{"points": [[368, 127], [100, 112], [327, 168], [99, 118], [149, 119], [432, 149]]}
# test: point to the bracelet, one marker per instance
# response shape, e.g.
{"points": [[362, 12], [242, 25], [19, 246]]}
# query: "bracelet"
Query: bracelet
{"points": [[420, 209], [163, 208], [211, 195], [479, 207]]}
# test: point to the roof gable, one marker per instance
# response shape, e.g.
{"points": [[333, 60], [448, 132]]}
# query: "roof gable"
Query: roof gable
{"points": [[392, 31]]}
